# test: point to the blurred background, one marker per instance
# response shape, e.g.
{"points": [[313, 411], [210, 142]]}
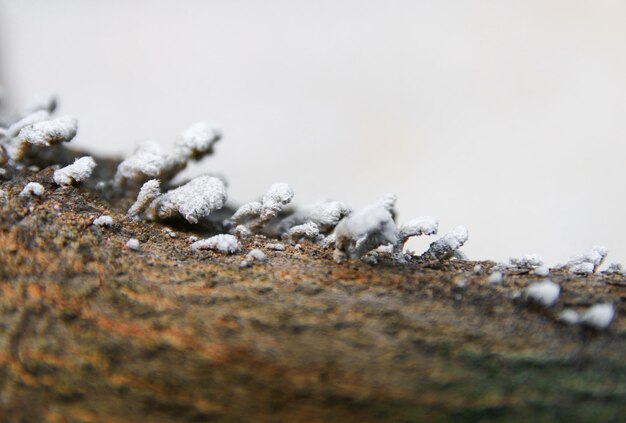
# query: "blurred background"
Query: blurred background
{"points": [[506, 117]]}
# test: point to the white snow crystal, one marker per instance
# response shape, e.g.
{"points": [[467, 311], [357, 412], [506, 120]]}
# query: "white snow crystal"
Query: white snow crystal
{"points": [[569, 317], [257, 255], [147, 194], [325, 215], [598, 316], [223, 243], [542, 271], [495, 278], [588, 262], [194, 201], [256, 214], [526, 262], [445, 246], [32, 188], [78, 171], [133, 244], [197, 141], [545, 293], [275, 247], [103, 220], [363, 231]]}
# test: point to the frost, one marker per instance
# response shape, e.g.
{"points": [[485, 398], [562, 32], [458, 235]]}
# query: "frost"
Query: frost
{"points": [[545, 293], [37, 132], [615, 269], [32, 188], [495, 278], [527, 261], [133, 244], [478, 269], [147, 194], [257, 255], [275, 247], [78, 171], [148, 161], [542, 271], [103, 220], [325, 215], [569, 317], [31, 119], [223, 243], [194, 201], [305, 231], [445, 246], [425, 225], [388, 201], [598, 316], [363, 231], [256, 214], [197, 141], [588, 262]]}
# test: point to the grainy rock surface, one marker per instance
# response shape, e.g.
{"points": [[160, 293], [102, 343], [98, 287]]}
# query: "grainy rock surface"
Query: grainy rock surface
{"points": [[91, 331]]}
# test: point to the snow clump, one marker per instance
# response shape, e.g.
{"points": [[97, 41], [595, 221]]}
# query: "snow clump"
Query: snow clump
{"points": [[598, 316], [527, 261], [224, 243], [447, 245], [32, 188], [545, 293], [256, 214], [194, 201], [133, 244], [80, 170], [103, 220], [587, 262], [147, 194]]}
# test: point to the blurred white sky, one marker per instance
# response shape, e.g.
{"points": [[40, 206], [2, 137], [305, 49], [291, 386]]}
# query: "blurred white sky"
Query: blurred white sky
{"points": [[507, 117]]}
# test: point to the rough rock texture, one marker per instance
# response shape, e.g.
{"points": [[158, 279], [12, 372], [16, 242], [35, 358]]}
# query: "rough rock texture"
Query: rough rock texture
{"points": [[90, 331]]}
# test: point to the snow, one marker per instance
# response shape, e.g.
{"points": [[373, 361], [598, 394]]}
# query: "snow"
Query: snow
{"points": [[147, 194], [569, 317], [31, 119], [445, 246], [197, 141], [388, 201], [133, 244], [424, 225], [363, 231], [103, 220], [325, 215], [526, 262], [615, 269], [78, 171], [545, 293], [257, 255], [307, 230], [50, 132], [495, 278], [542, 271], [587, 262], [148, 161], [194, 201], [477, 269], [275, 247], [256, 214], [223, 243], [32, 188], [598, 316]]}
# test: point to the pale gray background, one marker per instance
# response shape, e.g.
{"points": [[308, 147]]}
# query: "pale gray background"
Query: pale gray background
{"points": [[506, 116]]}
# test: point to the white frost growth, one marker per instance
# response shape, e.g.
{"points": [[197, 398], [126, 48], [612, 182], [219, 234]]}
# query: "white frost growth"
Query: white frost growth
{"points": [[325, 215], [31, 119], [147, 194], [256, 214], [76, 172], [50, 132], [388, 201], [598, 316], [194, 201], [495, 278], [569, 317], [545, 293], [223, 243], [445, 246], [527, 261], [197, 141], [305, 231], [588, 262], [542, 271], [133, 244], [257, 255], [32, 188], [103, 220], [363, 231], [615, 269], [425, 225], [275, 247], [148, 161]]}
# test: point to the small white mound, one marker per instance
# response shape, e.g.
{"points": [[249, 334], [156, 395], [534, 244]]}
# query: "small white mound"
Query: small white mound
{"points": [[495, 278], [308, 231], [257, 255], [226, 244], [388, 201], [545, 293], [103, 220], [615, 269], [598, 316], [148, 161], [133, 244], [32, 188], [325, 215], [80, 170], [275, 247], [569, 317], [363, 231], [542, 271], [445, 246], [194, 201], [527, 261], [49, 132], [197, 141], [147, 194], [256, 214], [587, 262]]}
